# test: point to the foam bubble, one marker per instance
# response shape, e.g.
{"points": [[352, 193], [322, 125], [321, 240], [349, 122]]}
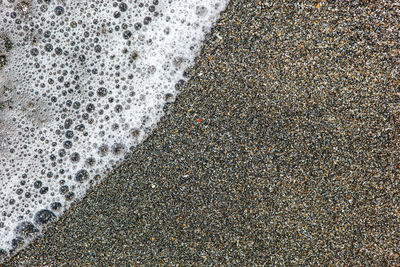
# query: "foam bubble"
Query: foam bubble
{"points": [[81, 83]]}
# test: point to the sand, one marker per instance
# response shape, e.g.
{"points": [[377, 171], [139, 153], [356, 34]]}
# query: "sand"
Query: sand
{"points": [[282, 149]]}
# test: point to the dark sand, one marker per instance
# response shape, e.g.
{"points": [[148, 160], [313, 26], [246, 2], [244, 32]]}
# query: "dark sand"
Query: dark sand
{"points": [[283, 148]]}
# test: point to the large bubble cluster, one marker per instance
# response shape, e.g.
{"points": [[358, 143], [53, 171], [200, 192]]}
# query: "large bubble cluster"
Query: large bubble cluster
{"points": [[82, 83]]}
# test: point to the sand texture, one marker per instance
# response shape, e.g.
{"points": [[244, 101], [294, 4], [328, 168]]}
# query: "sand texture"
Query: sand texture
{"points": [[282, 149]]}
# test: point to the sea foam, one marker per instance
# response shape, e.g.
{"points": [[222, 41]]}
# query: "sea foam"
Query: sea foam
{"points": [[81, 84]]}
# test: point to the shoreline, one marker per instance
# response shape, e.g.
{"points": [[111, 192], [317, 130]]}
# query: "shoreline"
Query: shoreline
{"points": [[282, 148]]}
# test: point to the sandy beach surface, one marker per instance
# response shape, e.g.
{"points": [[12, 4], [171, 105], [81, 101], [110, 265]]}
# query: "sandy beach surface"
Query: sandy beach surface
{"points": [[282, 149]]}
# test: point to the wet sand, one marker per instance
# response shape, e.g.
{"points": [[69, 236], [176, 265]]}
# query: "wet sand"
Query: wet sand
{"points": [[283, 148]]}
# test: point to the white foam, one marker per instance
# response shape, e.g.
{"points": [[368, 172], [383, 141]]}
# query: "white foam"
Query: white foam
{"points": [[81, 84]]}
